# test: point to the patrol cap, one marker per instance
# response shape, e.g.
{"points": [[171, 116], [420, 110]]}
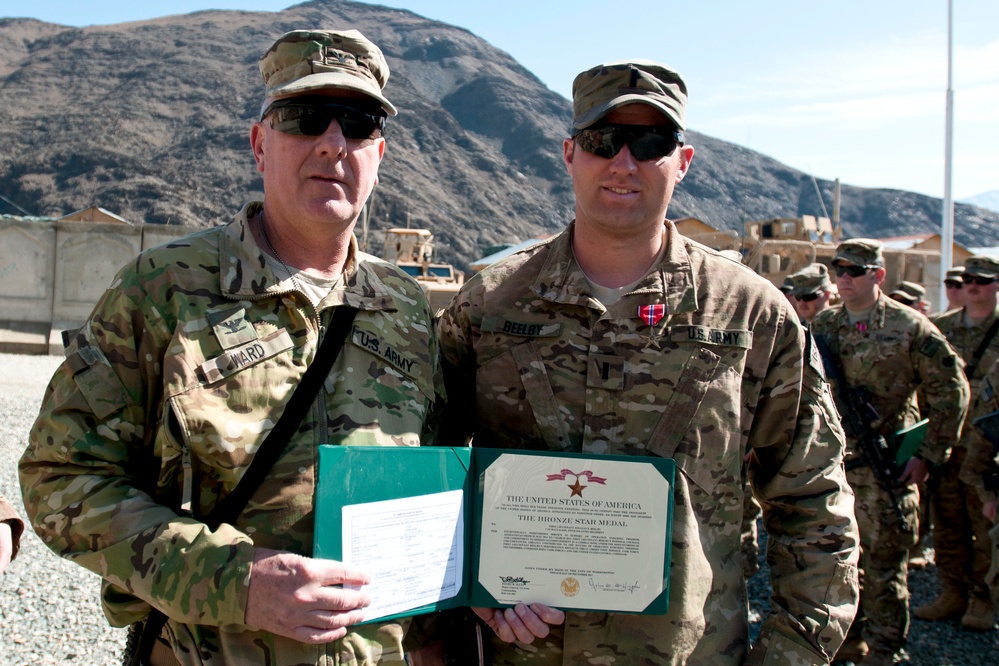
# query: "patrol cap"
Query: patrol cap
{"points": [[860, 252], [788, 285], [810, 280], [597, 91], [903, 297], [982, 266], [955, 274], [909, 290], [307, 60]]}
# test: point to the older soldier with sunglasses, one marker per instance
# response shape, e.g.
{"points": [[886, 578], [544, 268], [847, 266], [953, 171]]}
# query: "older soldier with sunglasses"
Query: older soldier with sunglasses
{"points": [[177, 382], [884, 352], [621, 337], [960, 531]]}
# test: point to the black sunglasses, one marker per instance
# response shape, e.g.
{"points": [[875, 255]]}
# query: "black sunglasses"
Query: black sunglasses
{"points": [[312, 117], [809, 297], [976, 279], [953, 284], [646, 142], [852, 271]]}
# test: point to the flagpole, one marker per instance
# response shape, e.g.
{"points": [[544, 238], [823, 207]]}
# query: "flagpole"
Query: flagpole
{"points": [[947, 232]]}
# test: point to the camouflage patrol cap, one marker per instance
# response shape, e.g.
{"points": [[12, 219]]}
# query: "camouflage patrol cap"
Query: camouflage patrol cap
{"points": [[910, 290], [955, 274], [605, 87], [981, 266], [810, 280], [788, 285], [307, 60], [860, 252]]}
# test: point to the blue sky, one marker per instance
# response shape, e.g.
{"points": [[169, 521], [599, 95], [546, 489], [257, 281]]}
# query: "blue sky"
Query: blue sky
{"points": [[854, 89]]}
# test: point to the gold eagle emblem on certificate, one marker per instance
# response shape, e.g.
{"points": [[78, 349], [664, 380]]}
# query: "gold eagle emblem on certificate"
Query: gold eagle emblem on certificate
{"points": [[570, 586]]}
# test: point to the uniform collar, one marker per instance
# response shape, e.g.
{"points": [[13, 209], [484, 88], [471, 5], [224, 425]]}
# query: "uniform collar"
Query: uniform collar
{"points": [[670, 281], [245, 273]]}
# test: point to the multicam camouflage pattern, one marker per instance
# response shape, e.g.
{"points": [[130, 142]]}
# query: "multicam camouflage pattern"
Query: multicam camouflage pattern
{"points": [[961, 533], [302, 61], [892, 353], [600, 89], [9, 515], [981, 466], [165, 395], [536, 363]]}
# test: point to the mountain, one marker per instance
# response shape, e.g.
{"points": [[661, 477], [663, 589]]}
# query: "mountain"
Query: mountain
{"points": [[986, 200], [151, 120]]}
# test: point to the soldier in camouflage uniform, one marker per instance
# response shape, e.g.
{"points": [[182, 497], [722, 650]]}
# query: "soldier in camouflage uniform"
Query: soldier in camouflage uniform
{"points": [[620, 336], [889, 350], [961, 540], [981, 468], [190, 357], [11, 527], [811, 289], [954, 284]]}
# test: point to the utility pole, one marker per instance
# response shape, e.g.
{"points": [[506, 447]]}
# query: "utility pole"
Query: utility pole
{"points": [[947, 233]]}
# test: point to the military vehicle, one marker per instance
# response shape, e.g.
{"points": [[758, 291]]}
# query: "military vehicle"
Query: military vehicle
{"points": [[413, 251], [778, 247]]}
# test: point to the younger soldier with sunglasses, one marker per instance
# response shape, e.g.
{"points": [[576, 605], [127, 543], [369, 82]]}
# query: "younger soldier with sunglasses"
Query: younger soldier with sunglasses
{"points": [[880, 353], [175, 383], [621, 337], [811, 290], [960, 531]]}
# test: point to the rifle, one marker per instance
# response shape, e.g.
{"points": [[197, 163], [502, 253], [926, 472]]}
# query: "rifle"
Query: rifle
{"points": [[858, 414]]}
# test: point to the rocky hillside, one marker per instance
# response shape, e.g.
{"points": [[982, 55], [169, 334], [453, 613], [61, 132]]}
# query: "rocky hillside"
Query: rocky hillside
{"points": [[150, 120]]}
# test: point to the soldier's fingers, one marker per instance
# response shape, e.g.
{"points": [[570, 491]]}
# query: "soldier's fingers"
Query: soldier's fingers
{"points": [[521, 630], [494, 618], [339, 599], [331, 572], [548, 614]]}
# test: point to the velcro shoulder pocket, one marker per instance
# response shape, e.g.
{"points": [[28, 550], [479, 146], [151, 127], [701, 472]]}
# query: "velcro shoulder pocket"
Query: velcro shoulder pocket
{"points": [[94, 377]]}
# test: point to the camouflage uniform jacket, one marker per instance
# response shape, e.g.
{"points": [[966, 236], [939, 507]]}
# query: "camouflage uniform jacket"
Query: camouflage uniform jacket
{"points": [[548, 367], [892, 354], [965, 342], [981, 466], [165, 394], [9, 516]]}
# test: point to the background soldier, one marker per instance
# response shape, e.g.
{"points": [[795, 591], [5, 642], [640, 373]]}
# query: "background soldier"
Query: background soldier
{"points": [[981, 466], [812, 290], [882, 352], [960, 533], [646, 343], [911, 294], [190, 359], [955, 288]]}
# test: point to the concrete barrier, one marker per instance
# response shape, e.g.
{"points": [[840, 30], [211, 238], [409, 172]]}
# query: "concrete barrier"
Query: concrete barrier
{"points": [[53, 272]]}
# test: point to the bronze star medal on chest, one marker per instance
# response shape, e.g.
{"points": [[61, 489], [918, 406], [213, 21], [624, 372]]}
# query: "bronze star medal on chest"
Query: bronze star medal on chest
{"points": [[651, 314]]}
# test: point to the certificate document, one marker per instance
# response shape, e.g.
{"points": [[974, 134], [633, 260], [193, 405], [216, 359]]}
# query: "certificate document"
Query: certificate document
{"points": [[574, 533], [442, 527], [413, 548]]}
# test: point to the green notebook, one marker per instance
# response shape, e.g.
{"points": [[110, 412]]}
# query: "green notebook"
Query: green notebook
{"points": [[441, 527], [908, 440]]}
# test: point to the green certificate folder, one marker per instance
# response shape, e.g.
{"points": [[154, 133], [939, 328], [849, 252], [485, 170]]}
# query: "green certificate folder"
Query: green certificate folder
{"points": [[569, 530], [908, 440]]}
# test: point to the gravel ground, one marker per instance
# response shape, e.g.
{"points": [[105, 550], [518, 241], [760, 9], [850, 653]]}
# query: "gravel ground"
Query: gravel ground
{"points": [[50, 609]]}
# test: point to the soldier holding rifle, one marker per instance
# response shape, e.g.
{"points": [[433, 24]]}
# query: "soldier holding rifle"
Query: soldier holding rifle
{"points": [[878, 353]]}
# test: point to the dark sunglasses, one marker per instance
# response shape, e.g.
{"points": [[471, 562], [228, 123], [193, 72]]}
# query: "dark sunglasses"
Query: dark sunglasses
{"points": [[976, 279], [312, 117], [852, 271], [809, 297], [953, 284], [646, 142]]}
